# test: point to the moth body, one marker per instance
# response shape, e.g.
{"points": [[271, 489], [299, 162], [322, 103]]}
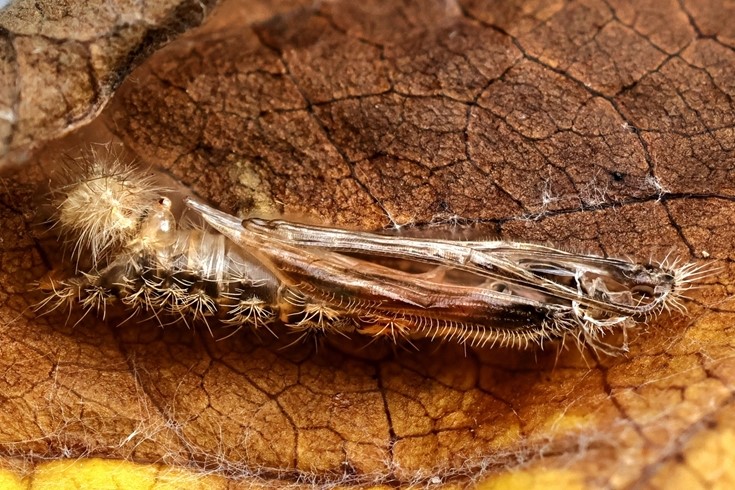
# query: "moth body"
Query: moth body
{"points": [[317, 279]]}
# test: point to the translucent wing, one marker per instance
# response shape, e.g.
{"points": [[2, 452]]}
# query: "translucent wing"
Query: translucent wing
{"points": [[483, 291]]}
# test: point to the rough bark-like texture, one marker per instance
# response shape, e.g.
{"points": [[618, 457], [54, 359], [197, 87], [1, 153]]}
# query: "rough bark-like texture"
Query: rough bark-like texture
{"points": [[61, 61], [603, 127]]}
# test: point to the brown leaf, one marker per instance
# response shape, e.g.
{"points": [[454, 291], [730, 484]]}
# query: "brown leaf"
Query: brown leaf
{"points": [[593, 126]]}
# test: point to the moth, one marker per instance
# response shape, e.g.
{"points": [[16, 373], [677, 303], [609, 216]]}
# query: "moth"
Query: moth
{"points": [[128, 248]]}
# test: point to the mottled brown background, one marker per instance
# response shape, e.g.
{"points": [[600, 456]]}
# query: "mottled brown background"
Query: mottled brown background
{"points": [[603, 127]]}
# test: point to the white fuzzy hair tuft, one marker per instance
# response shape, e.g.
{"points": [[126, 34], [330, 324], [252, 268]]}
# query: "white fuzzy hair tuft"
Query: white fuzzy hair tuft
{"points": [[101, 201]]}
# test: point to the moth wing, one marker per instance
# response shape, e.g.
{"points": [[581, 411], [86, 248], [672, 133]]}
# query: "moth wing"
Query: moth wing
{"points": [[370, 288], [529, 270], [501, 273]]}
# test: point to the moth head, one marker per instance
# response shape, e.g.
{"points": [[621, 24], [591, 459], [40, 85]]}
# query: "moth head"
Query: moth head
{"points": [[101, 203]]}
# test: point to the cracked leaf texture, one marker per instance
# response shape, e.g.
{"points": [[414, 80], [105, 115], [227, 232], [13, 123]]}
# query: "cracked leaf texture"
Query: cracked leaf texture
{"points": [[595, 126]]}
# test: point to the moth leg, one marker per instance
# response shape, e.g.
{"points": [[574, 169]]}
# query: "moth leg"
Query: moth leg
{"points": [[316, 316], [250, 311]]}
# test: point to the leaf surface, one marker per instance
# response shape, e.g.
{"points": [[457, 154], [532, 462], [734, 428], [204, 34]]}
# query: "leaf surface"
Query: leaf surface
{"points": [[602, 127]]}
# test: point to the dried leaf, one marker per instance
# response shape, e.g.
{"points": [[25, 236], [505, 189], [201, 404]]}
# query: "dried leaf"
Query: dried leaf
{"points": [[596, 127]]}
